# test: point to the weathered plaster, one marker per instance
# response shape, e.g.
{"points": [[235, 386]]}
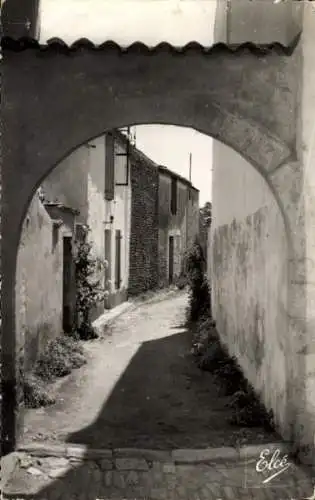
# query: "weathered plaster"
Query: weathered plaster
{"points": [[249, 275], [39, 283]]}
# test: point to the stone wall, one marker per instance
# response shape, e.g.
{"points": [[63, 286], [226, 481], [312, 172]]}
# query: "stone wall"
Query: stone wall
{"points": [[143, 273], [249, 274], [301, 209], [39, 282]]}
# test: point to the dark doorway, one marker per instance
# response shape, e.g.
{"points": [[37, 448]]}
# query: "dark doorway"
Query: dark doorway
{"points": [[67, 320], [171, 260], [108, 270]]}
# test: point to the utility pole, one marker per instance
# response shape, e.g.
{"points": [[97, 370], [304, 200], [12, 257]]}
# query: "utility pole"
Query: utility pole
{"points": [[187, 201]]}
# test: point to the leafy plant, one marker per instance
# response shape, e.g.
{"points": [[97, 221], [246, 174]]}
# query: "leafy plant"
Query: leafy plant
{"points": [[249, 411], [59, 358], [90, 291], [36, 394], [213, 356], [199, 296]]}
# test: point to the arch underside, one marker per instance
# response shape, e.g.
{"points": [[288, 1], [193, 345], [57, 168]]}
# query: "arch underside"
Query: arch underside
{"points": [[55, 102]]}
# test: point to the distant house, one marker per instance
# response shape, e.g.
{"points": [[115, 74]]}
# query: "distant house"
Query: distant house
{"points": [[178, 223], [164, 221]]}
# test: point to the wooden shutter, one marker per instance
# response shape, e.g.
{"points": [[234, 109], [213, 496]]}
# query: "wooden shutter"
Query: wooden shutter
{"points": [[174, 196], [108, 254], [109, 167], [118, 260]]}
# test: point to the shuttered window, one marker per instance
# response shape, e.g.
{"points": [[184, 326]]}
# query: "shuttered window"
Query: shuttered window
{"points": [[109, 167], [174, 196]]}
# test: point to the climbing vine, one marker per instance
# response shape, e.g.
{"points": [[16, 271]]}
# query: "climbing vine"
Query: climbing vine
{"points": [[199, 292], [89, 288]]}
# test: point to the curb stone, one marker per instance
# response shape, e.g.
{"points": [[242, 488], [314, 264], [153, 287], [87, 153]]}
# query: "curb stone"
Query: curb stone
{"points": [[188, 456], [85, 453], [108, 318], [202, 456], [44, 450]]}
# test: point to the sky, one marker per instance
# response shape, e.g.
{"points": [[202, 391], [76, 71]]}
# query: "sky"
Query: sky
{"points": [[170, 146], [127, 21], [151, 21]]}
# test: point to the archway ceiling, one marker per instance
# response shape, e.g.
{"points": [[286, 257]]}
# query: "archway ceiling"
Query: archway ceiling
{"points": [[59, 97]]}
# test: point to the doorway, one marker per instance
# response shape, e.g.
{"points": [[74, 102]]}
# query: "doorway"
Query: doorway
{"points": [[108, 273], [171, 259], [67, 322]]}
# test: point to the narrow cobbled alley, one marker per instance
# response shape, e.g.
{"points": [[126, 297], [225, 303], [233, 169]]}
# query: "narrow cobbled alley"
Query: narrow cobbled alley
{"points": [[140, 420]]}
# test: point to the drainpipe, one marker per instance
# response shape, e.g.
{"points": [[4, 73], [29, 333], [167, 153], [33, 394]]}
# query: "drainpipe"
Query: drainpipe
{"points": [[187, 211]]}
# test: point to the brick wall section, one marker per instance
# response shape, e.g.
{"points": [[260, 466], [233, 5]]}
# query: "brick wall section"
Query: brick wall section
{"points": [[143, 272]]}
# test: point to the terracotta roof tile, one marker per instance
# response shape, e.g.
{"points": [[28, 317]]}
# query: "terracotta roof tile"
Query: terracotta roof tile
{"points": [[59, 45]]}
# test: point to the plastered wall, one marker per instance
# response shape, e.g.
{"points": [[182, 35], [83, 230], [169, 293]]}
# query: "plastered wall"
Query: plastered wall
{"points": [[248, 255], [39, 282]]}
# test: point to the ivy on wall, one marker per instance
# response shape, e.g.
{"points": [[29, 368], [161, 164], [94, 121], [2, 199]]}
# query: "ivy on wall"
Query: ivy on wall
{"points": [[89, 288]]}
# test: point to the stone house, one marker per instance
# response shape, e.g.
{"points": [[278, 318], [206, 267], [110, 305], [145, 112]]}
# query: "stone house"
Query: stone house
{"points": [[164, 221], [178, 210], [95, 180]]}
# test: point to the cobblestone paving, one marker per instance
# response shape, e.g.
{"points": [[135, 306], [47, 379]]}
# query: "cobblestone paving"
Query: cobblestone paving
{"points": [[168, 401], [123, 476]]}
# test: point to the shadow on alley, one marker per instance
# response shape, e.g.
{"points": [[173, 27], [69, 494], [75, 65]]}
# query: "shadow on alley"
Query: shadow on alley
{"points": [[163, 400]]}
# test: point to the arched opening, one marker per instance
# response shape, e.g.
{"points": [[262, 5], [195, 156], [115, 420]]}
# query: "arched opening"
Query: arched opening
{"points": [[247, 102], [97, 91], [123, 193]]}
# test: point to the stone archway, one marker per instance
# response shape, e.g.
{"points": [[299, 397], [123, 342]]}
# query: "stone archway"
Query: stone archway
{"points": [[57, 99]]}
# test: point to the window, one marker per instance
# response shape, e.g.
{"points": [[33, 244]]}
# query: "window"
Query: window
{"points": [[109, 167], [121, 165], [174, 196]]}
